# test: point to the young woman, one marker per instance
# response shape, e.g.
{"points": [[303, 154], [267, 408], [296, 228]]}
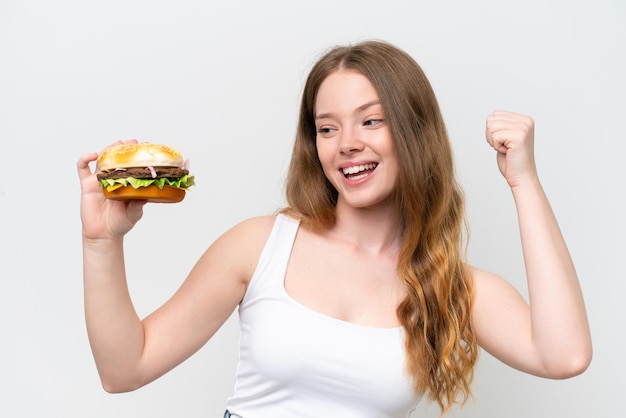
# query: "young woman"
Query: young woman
{"points": [[355, 300]]}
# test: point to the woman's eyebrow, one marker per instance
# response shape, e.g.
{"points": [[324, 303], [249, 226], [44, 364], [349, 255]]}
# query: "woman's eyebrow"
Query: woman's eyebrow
{"points": [[357, 110]]}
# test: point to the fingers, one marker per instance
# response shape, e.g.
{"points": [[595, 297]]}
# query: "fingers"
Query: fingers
{"points": [[83, 164], [501, 120], [504, 130], [135, 210], [512, 136]]}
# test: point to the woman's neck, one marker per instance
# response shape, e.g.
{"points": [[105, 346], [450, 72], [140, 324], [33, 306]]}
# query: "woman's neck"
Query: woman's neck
{"points": [[375, 230]]}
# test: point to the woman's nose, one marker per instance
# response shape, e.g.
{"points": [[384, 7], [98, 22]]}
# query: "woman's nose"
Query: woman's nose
{"points": [[350, 142]]}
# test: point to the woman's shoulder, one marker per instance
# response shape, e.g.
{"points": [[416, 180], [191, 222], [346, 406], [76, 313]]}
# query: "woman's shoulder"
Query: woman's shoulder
{"points": [[252, 230], [251, 234], [494, 297], [237, 250], [488, 285], [485, 281]]}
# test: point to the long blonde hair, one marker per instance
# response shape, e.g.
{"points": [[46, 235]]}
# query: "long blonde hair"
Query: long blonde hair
{"points": [[441, 348]]}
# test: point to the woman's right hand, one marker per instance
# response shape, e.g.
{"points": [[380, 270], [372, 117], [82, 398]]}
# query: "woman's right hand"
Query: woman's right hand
{"points": [[103, 218]]}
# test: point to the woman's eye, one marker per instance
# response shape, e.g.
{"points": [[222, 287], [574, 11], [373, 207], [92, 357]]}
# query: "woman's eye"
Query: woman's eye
{"points": [[324, 130], [373, 122]]}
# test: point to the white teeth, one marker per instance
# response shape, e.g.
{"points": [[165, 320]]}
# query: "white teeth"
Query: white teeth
{"points": [[358, 168], [359, 177]]}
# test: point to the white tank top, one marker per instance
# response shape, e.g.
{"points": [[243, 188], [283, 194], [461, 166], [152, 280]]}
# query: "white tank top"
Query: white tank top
{"points": [[297, 362]]}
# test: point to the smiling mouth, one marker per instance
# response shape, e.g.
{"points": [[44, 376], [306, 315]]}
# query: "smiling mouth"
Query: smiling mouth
{"points": [[358, 172]]}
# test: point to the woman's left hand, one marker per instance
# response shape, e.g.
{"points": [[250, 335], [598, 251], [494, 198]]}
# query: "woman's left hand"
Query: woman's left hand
{"points": [[512, 136]]}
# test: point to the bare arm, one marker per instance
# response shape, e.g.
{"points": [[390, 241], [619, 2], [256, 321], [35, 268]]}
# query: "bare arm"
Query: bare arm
{"points": [[550, 335], [130, 352]]}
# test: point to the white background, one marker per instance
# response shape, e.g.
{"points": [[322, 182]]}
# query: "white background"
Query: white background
{"points": [[221, 82]]}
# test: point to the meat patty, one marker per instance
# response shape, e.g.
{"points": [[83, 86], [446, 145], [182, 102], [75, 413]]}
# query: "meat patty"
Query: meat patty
{"points": [[143, 173]]}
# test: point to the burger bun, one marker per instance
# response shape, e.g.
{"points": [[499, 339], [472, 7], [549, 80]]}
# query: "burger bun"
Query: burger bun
{"points": [[142, 154]]}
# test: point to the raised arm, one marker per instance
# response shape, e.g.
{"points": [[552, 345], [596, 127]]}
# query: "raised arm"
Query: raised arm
{"points": [[549, 336], [130, 352]]}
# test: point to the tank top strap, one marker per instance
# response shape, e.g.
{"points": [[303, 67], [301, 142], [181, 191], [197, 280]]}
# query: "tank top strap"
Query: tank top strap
{"points": [[272, 265]]}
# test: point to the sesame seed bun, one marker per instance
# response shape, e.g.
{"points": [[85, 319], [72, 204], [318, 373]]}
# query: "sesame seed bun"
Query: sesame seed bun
{"points": [[139, 155]]}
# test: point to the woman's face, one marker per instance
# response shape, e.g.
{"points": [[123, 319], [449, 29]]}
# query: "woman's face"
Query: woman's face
{"points": [[353, 140]]}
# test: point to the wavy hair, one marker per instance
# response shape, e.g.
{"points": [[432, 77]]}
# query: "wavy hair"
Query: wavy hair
{"points": [[441, 348]]}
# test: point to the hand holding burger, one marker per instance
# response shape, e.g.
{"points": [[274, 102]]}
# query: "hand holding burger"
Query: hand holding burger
{"points": [[143, 171]]}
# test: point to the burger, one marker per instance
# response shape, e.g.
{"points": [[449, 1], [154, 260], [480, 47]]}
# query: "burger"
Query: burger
{"points": [[143, 171]]}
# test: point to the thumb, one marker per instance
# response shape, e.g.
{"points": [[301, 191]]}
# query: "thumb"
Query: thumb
{"points": [[134, 210]]}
